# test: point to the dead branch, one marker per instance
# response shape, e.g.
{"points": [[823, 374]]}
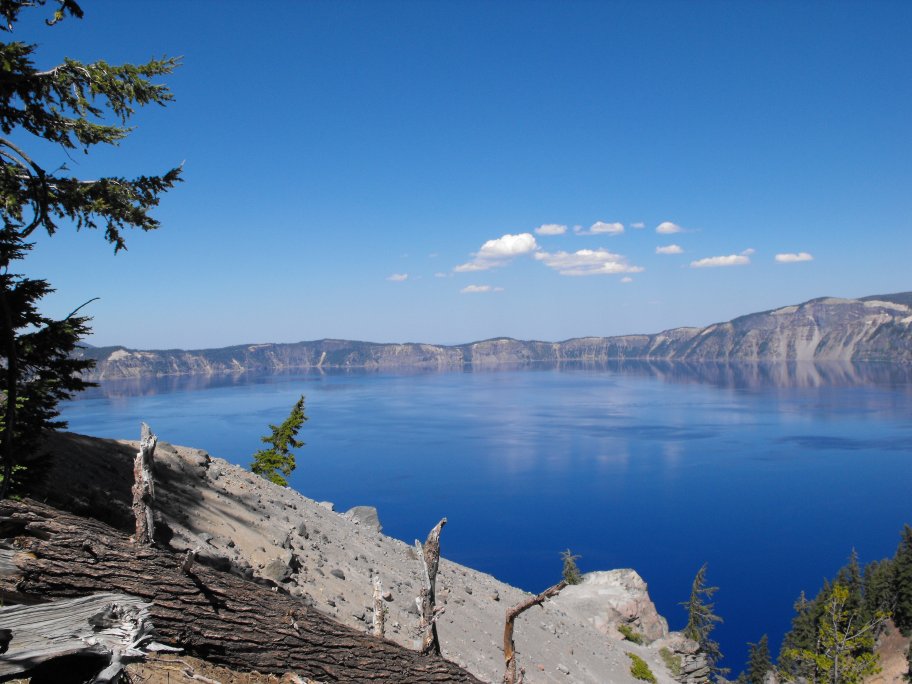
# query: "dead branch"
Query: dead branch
{"points": [[512, 614]]}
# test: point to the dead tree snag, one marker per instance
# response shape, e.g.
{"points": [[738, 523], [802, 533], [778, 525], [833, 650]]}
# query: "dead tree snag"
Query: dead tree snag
{"points": [[510, 676], [144, 487], [429, 555]]}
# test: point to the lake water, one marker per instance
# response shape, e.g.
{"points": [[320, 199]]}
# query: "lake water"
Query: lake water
{"points": [[770, 474]]}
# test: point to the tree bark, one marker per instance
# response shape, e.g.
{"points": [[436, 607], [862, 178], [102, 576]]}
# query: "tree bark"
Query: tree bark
{"points": [[429, 556], [144, 487], [210, 614], [512, 614]]}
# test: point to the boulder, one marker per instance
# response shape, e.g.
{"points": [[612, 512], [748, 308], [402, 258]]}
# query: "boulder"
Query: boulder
{"points": [[277, 570], [365, 516]]}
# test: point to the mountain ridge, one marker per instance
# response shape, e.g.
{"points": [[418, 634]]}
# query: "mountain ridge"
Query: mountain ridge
{"points": [[872, 328]]}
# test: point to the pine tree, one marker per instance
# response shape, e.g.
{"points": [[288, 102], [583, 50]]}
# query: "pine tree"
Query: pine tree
{"points": [[42, 369], [759, 662], [701, 620], [844, 649], [849, 576], [570, 573], [66, 105], [879, 582], [902, 583], [277, 463]]}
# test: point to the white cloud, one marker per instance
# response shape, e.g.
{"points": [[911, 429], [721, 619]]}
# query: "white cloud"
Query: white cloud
{"points": [[551, 229], [730, 260], [791, 258], [639, 225], [601, 228], [626, 279], [669, 249], [587, 262], [668, 228], [473, 289], [748, 251], [499, 252], [397, 277]]}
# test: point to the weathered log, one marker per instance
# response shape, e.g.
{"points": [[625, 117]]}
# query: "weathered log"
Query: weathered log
{"points": [[509, 647], [210, 614], [429, 556], [108, 625], [144, 487]]}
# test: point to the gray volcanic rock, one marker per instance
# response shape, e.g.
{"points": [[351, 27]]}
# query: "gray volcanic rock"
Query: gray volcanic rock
{"points": [[366, 516], [615, 597], [877, 328]]}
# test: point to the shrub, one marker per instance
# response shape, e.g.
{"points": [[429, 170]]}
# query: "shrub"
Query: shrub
{"points": [[640, 669], [630, 634], [672, 661]]}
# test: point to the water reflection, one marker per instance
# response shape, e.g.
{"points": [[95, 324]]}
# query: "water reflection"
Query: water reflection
{"points": [[722, 375]]}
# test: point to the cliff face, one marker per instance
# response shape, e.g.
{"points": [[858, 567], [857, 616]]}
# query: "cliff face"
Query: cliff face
{"points": [[875, 328]]}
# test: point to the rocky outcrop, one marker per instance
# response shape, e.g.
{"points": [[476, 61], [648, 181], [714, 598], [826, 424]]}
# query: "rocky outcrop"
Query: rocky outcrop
{"points": [[612, 598], [871, 329]]}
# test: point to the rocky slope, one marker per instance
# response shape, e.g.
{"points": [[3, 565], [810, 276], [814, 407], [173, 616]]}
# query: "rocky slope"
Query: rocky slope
{"points": [[877, 328], [242, 523]]}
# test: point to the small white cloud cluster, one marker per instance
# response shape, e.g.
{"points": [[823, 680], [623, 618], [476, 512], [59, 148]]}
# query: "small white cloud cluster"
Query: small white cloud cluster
{"points": [[475, 289], [728, 260], [793, 258], [585, 262], [499, 252], [669, 249], [668, 228], [551, 229], [601, 228], [397, 277]]}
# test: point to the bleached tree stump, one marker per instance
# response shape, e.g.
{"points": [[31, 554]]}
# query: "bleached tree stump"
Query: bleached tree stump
{"points": [[429, 555], [379, 609], [144, 487]]}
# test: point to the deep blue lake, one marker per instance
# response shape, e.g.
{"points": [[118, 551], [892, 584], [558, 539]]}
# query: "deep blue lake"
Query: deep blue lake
{"points": [[769, 474]]}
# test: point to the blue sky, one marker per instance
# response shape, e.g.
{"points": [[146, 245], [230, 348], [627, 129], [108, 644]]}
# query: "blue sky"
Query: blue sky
{"points": [[384, 170]]}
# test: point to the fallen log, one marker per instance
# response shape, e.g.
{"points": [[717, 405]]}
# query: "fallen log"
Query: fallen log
{"points": [[209, 614], [108, 626]]}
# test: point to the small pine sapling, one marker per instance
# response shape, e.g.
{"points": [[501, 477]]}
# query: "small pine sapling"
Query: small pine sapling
{"points": [[278, 462], [571, 572]]}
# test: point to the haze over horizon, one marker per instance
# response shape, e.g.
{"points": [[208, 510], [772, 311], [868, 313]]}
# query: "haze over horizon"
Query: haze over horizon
{"points": [[451, 172]]}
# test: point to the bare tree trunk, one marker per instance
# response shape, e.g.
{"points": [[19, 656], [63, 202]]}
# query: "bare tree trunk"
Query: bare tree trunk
{"points": [[210, 614], [144, 487], [512, 614], [379, 609], [429, 555]]}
